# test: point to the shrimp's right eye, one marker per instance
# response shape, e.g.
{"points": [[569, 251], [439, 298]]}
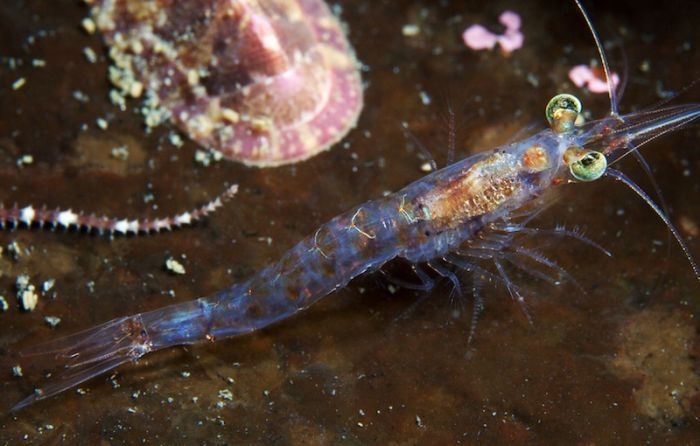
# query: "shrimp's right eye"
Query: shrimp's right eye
{"points": [[562, 111], [590, 167]]}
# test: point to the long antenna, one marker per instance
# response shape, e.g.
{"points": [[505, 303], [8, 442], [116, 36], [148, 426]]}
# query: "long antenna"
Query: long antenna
{"points": [[603, 59], [616, 174]]}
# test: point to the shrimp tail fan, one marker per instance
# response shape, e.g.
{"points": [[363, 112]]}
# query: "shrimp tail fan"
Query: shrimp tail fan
{"points": [[84, 355]]}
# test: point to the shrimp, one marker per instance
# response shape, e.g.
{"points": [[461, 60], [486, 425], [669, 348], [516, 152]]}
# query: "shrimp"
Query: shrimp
{"points": [[457, 217]]}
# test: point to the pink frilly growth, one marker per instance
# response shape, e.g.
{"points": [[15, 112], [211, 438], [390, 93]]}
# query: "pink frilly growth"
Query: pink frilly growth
{"points": [[479, 38], [592, 78]]}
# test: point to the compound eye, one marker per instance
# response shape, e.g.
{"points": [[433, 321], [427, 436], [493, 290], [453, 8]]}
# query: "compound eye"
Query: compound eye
{"points": [[562, 111], [589, 167]]}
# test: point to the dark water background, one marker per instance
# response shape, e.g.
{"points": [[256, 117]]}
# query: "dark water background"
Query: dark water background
{"points": [[618, 365]]}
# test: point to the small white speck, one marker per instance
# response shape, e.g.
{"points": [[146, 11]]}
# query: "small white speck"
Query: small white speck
{"points": [[4, 306], [425, 98], [226, 394], [89, 25], [80, 96], [52, 321], [19, 83], [175, 139], [90, 54], [47, 285], [17, 371], [26, 293], [25, 160], [419, 422], [410, 30], [121, 153], [102, 123], [174, 266]]}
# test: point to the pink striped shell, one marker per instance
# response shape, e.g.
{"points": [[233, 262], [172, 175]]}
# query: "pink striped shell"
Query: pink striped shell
{"points": [[264, 82]]}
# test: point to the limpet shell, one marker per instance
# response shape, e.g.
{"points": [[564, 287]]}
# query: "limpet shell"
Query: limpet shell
{"points": [[264, 82]]}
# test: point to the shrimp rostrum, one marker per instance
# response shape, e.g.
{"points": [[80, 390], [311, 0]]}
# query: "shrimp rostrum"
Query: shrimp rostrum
{"points": [[458, 217]]}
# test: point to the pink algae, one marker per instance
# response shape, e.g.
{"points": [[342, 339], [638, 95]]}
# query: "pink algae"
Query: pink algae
{"points": [[479, 38], [592, 79], [266, 82]]}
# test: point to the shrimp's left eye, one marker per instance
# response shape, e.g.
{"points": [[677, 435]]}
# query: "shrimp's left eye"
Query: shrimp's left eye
{"points": [[562, 111], [589, 167]]}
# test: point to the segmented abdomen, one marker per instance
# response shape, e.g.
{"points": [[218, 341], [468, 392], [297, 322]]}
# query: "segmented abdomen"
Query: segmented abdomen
{"points": [[350, 244]]}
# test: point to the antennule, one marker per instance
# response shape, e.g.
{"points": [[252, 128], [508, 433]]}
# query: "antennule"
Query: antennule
{"points": [[612, 94]]}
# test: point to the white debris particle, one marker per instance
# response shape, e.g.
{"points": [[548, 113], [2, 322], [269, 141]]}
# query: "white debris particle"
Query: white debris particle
{"points": [[19, 83], [4, 306], [131, 410], [410, 30], [52, 321], [47, 285], [90, 54], [175, 139], [425, 98], [26, 293], [185, 374], [117, 99], [206, 158], [89, 25], [267, 240], [226, 394], [533, 80], [220, 404], [17, 371], [38, 63], [22, 281], [102, 123], [29, 298], [121, 153], [174, 266], [25, 160], [426, 167], [80, 96], [14, 250], [81, 391], [419, 422]]}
